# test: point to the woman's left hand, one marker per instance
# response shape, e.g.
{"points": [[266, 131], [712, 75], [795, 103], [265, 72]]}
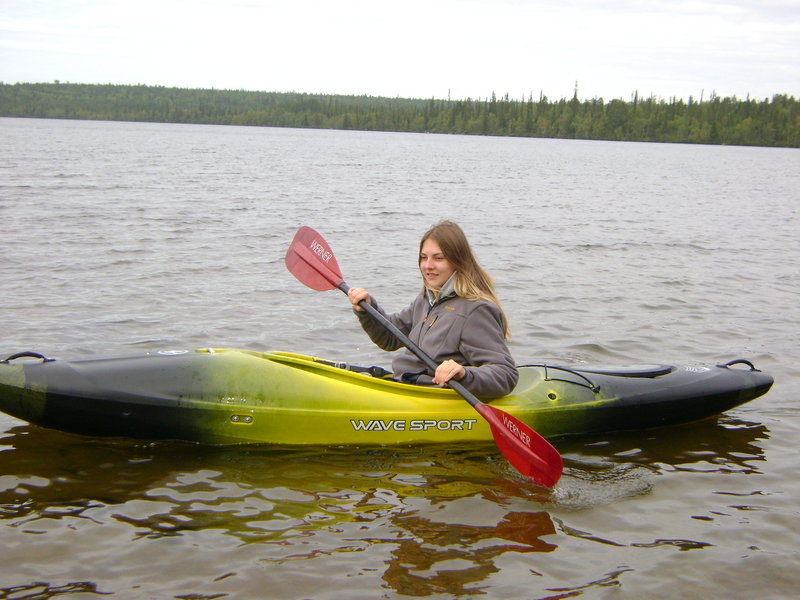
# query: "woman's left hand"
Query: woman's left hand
{"points": [[448, 370]]}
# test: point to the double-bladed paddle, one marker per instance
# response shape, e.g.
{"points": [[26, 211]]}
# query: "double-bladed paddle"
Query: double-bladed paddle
{"points": [[311, 260]]}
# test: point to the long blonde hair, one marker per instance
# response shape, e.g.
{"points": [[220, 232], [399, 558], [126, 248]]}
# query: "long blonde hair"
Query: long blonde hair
{"points": [[472, 282]]}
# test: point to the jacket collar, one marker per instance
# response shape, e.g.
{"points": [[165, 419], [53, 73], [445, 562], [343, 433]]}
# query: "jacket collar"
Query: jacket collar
{"points": [[448, 290]]}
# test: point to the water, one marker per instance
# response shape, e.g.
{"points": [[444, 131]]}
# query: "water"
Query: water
{"points": [[121, 238]]}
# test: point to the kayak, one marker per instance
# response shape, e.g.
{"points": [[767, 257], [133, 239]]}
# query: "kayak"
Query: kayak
{"points": [[229, 396]]}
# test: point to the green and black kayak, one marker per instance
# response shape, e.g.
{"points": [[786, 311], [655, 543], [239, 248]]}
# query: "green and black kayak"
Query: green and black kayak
{"points": [[226, 396]]}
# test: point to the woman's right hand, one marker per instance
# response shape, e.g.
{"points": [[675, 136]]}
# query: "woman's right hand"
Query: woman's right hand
{"points": [[356, 295]]}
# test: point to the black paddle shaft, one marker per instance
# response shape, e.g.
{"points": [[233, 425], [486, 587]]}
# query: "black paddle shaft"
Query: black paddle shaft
{"points": [[404, 339]]}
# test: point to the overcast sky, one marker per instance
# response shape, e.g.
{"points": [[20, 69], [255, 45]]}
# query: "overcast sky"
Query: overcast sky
{"points": [[412, 48]]}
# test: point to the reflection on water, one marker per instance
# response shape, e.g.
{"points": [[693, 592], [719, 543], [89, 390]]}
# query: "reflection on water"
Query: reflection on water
{"points": [[442, 518], [444, 557], [42, 591], [726, 443]]}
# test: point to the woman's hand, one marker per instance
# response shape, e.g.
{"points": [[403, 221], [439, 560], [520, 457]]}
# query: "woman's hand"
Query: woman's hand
{"points": [[448, 370], [356, 295]]}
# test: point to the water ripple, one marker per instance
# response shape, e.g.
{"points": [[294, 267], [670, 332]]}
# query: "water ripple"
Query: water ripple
{"points": [[126, 237]]}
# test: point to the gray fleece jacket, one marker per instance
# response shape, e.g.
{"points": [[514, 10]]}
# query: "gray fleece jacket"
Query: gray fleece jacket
{"points": [[468, 331]]}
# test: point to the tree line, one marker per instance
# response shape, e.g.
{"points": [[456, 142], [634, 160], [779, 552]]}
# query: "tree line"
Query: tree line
{"points": [[768, 122]]}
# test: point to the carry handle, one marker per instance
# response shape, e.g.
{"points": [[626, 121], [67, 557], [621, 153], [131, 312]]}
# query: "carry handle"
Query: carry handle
{"points": [[26, 355], [739, 361]]}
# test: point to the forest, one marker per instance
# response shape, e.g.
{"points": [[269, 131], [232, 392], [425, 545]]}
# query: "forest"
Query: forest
{"points": [[748, 122]]}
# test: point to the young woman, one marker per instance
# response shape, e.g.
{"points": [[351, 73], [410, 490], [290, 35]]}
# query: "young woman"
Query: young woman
{"points": [[457, 320]]}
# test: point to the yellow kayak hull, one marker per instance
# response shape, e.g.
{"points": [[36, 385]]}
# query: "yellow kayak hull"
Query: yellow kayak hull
{"points": [[228, 396]]}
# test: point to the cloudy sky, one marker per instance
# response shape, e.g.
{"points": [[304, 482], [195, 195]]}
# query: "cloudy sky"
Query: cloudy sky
{"points": [[412, 48]]}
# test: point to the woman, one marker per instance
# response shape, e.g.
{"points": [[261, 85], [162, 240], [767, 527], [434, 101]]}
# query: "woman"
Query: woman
{"points": [[457, 320]]}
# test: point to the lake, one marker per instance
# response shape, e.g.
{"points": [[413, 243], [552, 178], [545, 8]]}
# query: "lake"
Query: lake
{"points": [[125, 238]]}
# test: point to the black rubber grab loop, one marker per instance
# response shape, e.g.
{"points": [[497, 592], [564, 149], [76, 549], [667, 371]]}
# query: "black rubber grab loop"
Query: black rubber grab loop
{"points": [[740, 361], [26, 355]]}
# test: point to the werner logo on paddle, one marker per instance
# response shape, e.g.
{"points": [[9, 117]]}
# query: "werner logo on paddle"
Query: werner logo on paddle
{"points": [[320, 251], [512, 427]]}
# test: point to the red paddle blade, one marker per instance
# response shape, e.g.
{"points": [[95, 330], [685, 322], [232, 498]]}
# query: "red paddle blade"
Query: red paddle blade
{"points": [[527, 451], [311, 260]]}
